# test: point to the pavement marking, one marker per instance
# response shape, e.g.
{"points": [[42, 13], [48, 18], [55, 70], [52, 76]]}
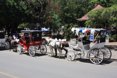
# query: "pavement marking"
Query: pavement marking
{"points": [[8, 75]]}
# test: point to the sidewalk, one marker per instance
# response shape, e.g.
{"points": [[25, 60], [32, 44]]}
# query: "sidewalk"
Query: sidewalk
{"points": [[113, 44]]}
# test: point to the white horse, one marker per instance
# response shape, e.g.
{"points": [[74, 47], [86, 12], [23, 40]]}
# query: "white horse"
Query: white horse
{"points": [[54, 45]]}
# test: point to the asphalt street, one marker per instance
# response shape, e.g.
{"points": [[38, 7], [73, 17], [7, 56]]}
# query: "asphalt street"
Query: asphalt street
{"points": [[13, 65]]}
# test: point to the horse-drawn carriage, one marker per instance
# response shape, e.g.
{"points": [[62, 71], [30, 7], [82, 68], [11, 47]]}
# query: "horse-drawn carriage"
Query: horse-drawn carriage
{"points": [[31, 42], [96, 53]]}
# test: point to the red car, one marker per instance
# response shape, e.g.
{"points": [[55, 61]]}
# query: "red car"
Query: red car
{"points": [[31, 42]]}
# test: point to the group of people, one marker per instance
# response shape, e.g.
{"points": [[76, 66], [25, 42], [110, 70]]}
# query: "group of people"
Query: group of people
{"points": [[88, 37]]}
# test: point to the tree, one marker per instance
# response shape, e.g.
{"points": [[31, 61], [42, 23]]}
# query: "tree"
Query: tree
{"points": [[95, 19], [104, 3], [106, 17], [112, 15], [54, 13], [73, 9], [53, 19], [15, 12]]}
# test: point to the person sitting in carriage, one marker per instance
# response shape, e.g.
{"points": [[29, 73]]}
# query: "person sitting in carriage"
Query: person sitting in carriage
{"points": [[85, 39], [100, 36]]}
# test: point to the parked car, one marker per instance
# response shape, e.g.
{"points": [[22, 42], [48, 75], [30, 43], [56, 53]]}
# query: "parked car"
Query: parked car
{"points": [[4, 42]]}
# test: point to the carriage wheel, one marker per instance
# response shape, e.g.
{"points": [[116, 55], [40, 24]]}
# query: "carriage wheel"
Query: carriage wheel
{"points": [[43, 49], [96, 56], [107, 53], [32, 51], [19, 49], [70, 56], [7, 45]]}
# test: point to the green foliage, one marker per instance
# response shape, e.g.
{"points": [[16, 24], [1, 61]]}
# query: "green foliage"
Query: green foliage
{"points": [[113, 38], [68, 34], [23, 25], [103, 18], [113, 15], [15, 12], [56, 22], [53, 19], [73, 9], [105, 3], [95, 18], [56, 13]]}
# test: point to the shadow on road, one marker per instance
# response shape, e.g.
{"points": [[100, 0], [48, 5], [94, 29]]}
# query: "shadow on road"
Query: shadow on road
{"points": [[114, 60], [84, 60], [103, 63], [109, 61], [106, 62], [38, 55], [1, 48]]}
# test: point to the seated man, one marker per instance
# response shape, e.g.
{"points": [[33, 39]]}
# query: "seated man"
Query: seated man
{"points": [[85, 39]]}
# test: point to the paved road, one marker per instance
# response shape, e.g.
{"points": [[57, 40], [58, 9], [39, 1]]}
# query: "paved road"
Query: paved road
{"points": [[13, 65]]}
